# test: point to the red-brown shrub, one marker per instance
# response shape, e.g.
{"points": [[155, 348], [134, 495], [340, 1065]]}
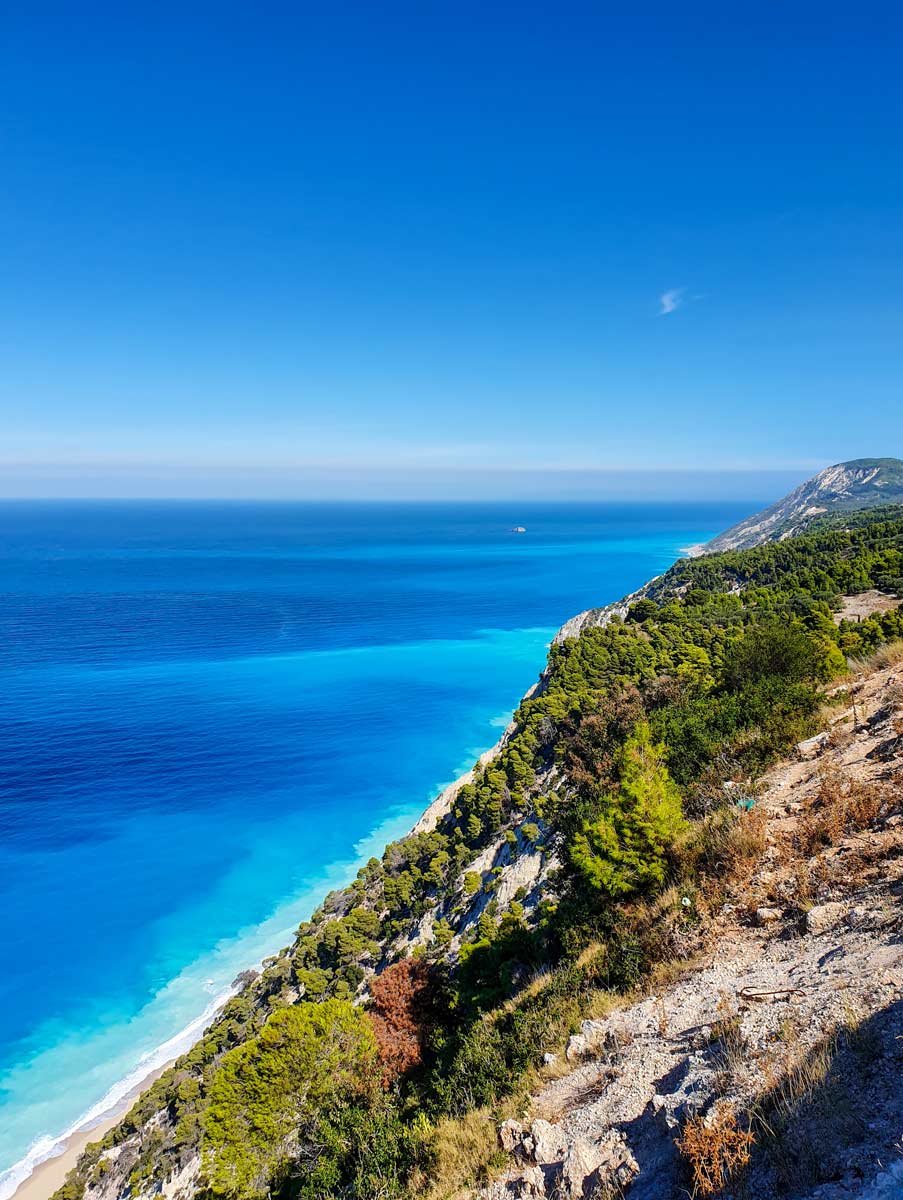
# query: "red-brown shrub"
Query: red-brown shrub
{"points": [[400, 1015]]}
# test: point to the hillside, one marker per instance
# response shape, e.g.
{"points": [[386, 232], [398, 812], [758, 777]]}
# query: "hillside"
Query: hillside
{"points": [[839, 497], [593, 849], [861, 484], [788, 1022]]}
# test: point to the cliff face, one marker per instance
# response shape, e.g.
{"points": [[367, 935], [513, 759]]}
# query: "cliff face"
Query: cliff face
{"points": [[862, 483], [473, 889]]}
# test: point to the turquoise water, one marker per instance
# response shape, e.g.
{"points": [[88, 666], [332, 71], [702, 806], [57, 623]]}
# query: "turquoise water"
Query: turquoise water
{"points": [[210, 714]]}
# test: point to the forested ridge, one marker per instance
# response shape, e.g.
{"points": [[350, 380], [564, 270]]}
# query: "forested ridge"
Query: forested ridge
{"points": [[369, 1052]]}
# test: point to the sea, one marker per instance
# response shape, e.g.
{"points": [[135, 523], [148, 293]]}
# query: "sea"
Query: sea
{"points": [[213, 713]]}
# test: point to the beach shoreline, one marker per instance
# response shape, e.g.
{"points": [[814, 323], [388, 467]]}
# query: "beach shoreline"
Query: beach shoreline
{"points": [[50, 1174]]}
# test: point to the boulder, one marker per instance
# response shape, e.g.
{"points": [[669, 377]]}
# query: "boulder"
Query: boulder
{"points": [[593, 1036], [593, 1030], [577, 1048], [511, 1135], [618, 1167], [811, 746], [665, 1117], [594, 1168], [823, 917], [524, 1183], [581, 1162], [532, 1184], [550, 1142]]}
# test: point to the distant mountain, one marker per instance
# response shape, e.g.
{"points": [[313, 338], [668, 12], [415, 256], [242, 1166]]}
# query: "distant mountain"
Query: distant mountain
{"points": [[845, 487]]}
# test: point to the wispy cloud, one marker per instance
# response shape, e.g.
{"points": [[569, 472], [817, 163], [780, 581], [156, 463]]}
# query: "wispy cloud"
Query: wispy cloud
{"points": [[670, 301]]}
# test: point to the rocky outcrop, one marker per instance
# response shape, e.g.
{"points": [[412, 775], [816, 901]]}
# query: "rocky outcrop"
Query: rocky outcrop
{"points": [[794, 1011], [862, 483], [550, 1163]]}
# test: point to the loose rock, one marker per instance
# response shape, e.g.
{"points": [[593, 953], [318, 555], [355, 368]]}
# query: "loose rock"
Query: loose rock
{"points": [[823, 917]]}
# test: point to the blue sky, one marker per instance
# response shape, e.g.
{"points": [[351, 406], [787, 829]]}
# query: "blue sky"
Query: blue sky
{"points": [[297, 249]]}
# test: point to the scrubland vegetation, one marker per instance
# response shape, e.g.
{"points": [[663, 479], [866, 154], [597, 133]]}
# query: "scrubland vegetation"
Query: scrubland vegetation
{"points": [[367, 1063]]}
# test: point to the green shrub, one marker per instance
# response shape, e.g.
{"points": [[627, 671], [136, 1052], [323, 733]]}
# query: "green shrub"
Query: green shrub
{"points": [[266, 1093], [623, 850]]}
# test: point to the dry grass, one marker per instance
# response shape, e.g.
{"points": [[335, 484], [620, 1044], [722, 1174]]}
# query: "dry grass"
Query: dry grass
{"points": [[731, 844], [715, 1150], [662, 1015], [808, 1095], [841, 805], [888, 655], [465, 1151], [728, 1034], [803, 884], [601, 1003]]}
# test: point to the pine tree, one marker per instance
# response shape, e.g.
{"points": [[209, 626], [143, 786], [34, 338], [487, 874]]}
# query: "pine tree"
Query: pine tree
{"points": [[623, 849]]}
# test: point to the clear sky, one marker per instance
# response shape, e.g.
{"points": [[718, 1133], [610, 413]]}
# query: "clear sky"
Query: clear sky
{"points": [[421, 248]]}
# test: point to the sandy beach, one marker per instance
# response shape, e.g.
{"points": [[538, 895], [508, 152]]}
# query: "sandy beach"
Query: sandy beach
{"points": [[49, 1175]]}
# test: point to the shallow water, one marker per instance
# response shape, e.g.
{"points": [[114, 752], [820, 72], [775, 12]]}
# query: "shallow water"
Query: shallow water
{"points": [[210, 713]]}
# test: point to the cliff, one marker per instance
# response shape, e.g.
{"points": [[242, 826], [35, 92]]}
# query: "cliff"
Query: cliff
{"points": [[549, 883], [852, 486], [782, 1039]]}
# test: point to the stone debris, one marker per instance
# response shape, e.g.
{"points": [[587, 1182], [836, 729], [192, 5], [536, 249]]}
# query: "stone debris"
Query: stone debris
{"points": [[791, 976]]}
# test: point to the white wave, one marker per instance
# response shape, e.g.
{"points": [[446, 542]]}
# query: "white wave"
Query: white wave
{"points": [[113, 1101], [336, 874]]}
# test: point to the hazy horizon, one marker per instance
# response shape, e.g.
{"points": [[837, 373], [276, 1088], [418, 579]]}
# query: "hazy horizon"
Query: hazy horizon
{"points": [[356, 252], [442, 486]]}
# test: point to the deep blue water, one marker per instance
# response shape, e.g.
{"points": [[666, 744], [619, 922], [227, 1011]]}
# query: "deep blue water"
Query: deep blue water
{"points": [[210, 712]]}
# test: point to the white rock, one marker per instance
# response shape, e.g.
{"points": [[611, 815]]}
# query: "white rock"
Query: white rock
{"points": [[577, 1048], [593, 1030], [550, 1142], [823, 917], [767, 916], [581, 1162], [511, 1134], [664, 1117], [810, 747], [532, 1184]]}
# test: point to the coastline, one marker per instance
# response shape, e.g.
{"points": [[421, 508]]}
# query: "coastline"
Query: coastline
{"points": [[50, 1159], [51, 1173], [47, 1174]]}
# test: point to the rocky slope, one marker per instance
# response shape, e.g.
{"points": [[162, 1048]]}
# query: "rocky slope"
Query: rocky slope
{"points": [[510, 867], [789, 1024], [862, 483]]}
